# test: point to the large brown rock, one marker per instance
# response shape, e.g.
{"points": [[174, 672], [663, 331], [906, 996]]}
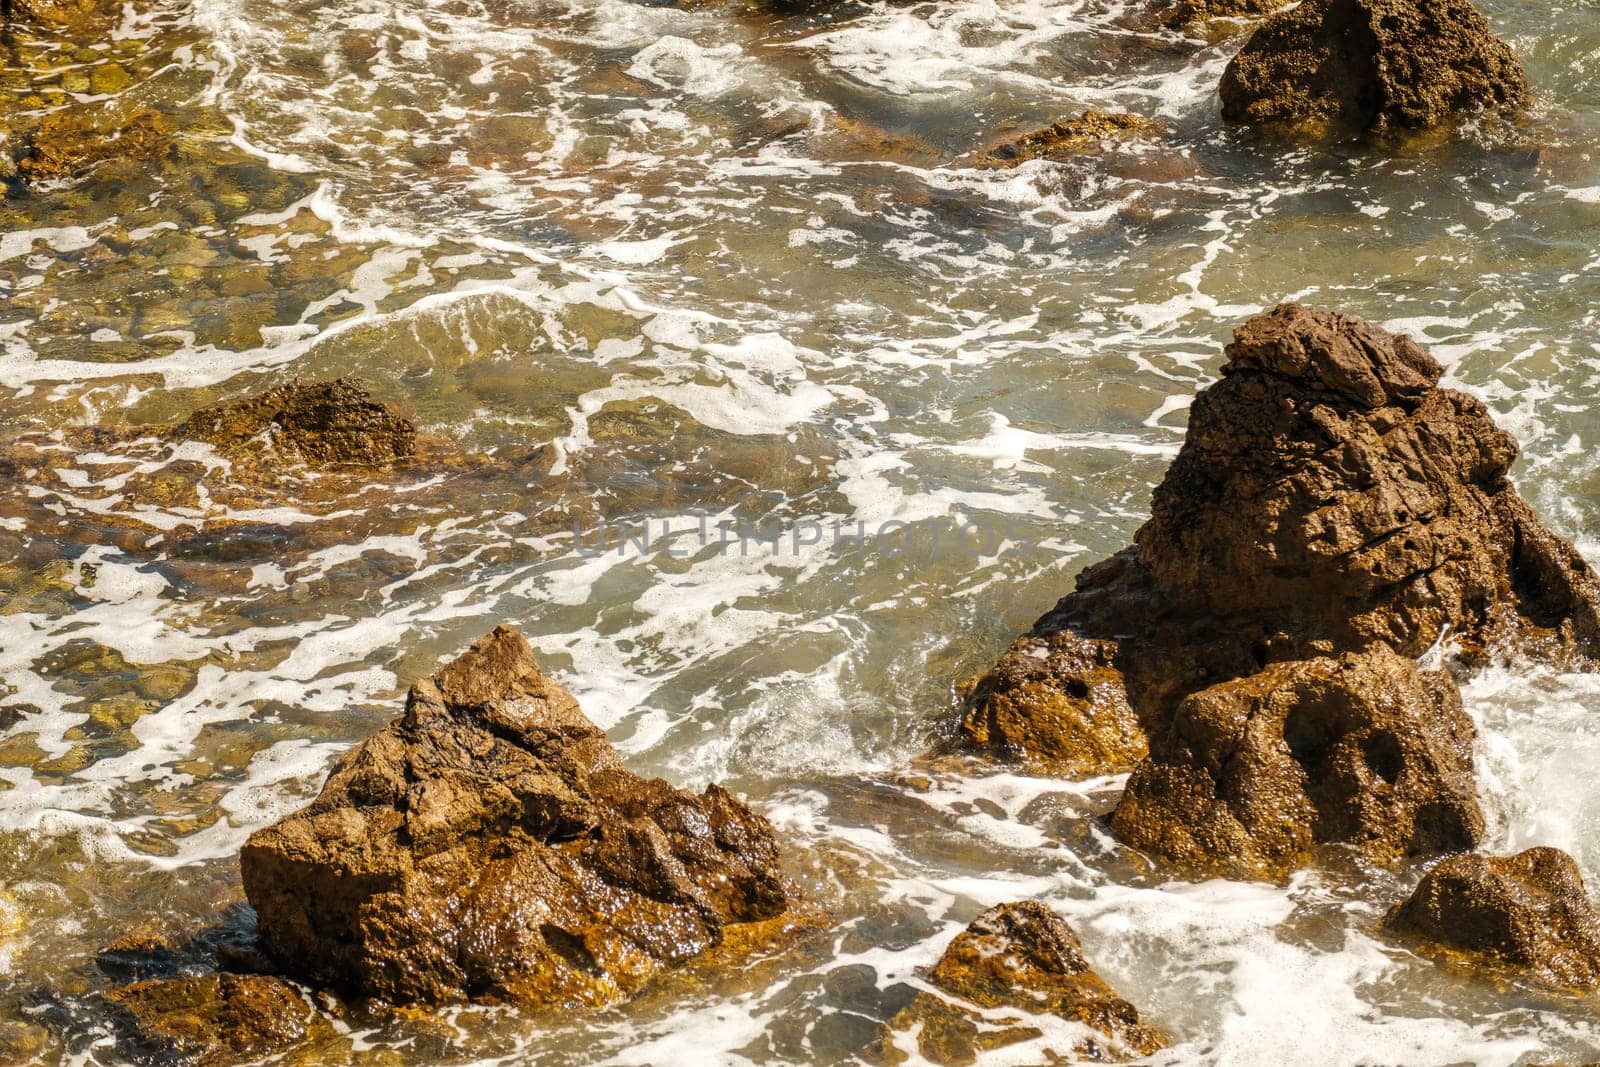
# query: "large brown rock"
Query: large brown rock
{"points": [[1340, 67], [1025, 958], [490, 845], [1363, 750], [1329, 498], [1527, 913]]}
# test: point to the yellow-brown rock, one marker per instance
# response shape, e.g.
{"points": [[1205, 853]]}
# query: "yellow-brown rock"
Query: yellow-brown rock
{"points": [[1527, 914], [212, 1020], [322, 423], [74, 140], [1056, 704], [489, 845], [1083, 133], [1025, 958]]}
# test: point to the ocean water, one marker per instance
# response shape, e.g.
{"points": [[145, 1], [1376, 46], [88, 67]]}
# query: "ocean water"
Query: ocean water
{"points": [[734, 269]]}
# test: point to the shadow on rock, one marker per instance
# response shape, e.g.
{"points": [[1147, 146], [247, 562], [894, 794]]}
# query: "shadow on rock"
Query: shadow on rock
{"points": [[1527, 915]]}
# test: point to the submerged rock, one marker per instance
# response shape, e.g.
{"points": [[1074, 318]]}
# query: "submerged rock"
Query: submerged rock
{"points": [[1022, 957], [1329, 498], [1528, 913], [212, 1020], [490, 845], [60, 14], [1184, 12], [73, 140], [1340, 67], [323, 423], [1075, 136], [1363, 750]]}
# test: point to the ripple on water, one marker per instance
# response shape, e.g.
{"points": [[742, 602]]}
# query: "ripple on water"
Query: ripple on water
{"points": [[722, 265]]}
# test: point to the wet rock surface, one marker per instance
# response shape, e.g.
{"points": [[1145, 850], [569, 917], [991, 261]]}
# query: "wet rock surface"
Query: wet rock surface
{"points": [[1022, 957], [212, 1020], [68, 14], [1332, 68], [1059, 705], [1186, 13], [1329, 499], [1075, 136], [489, 845], [317, 423], [1363, 750], [73, 141], [1529, 914]]}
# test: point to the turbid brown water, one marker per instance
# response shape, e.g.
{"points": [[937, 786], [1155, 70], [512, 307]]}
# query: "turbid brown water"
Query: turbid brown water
{"points": [[711, 264]]}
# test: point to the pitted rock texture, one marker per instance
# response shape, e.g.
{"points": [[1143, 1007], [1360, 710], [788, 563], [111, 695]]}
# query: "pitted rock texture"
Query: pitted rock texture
{"points": [[1363, 750], [1527, 913], [1329, 498], [490, 845], [1025, 957], [320, 424], [1332, 68]]}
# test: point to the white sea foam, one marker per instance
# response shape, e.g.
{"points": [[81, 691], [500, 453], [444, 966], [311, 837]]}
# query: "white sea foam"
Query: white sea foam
{"points": [[1016, 345]]}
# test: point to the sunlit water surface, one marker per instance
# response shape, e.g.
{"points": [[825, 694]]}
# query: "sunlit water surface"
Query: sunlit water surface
{"points": [[730, 266]]}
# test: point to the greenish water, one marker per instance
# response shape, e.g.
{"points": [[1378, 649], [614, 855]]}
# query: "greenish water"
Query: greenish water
{"points": [[713, 264]]}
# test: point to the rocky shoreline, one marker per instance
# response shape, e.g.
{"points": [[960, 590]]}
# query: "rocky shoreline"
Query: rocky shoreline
{"points": [[1275, 662], [1333, 516]]}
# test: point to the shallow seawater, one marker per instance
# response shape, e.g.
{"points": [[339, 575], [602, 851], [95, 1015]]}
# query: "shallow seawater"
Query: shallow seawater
{"points": [[730, 269]]}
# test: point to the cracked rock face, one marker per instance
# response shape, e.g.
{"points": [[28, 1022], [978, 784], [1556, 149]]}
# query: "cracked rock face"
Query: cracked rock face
{"points": [[1329, 499], [1340, 67], [1016, 958], [490, 845], [1527, 913]]}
